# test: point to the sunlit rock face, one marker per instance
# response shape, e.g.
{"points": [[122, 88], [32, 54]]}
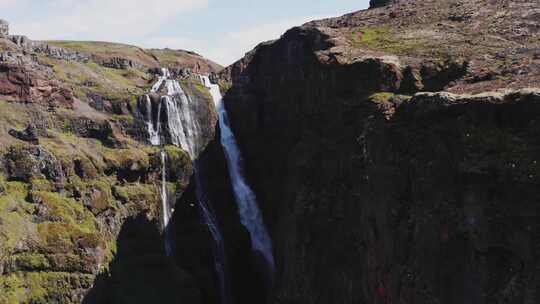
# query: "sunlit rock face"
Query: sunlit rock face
{"points": [[79, 183]]}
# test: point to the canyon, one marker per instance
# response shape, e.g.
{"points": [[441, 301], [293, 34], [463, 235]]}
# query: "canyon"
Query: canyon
{"points": [[391, 155]]}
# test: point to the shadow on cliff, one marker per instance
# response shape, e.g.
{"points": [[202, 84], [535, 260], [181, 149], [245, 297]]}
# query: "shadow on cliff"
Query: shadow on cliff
{"points": [[193, 242], [141, 272]]}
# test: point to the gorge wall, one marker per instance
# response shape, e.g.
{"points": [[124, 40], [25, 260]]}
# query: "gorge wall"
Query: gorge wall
{"points": [[376, 194]]}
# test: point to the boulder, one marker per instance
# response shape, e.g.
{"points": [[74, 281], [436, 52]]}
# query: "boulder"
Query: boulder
{"points": [[4, 28], [25, 163], [27, 83], [30, 134], [59, 53], [380, 3], [120, 63], [22, 41]]}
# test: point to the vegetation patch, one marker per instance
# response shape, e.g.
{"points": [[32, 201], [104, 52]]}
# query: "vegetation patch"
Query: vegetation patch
{"points": [[42, 287], [141, 194], [384, 39], [381, 97], [90, 78]]}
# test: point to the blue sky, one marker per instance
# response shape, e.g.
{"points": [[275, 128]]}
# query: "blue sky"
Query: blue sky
{"points": [[222, 30]]}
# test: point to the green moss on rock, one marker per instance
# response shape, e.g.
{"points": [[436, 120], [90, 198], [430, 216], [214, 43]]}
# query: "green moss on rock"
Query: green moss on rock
{"points": [[179, 166], [43, 287], [42, 185], [31, 262], [140, 194], [381, 97], [126, 159], [382, 38]]}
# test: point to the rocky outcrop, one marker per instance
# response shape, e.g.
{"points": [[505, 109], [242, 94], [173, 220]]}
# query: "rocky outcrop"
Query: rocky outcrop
{"points": [[181, 59], [380, 3], [27, 163], [4, 28], [53, 51], [23, 83], [120, 63], [30, 134]]}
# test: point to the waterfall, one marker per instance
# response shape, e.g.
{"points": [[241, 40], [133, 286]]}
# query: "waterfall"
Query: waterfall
{"points": [[154, 129], [184, 131], [165, 202], [165, 74], [184, 128], [250, 215]]}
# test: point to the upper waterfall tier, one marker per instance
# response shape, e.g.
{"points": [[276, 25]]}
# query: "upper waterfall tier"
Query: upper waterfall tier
{"points": [[178, 112]]}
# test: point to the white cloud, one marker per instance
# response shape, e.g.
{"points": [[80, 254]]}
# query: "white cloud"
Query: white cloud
{"points": [[137, 22], [231, 46], [114, 20]]}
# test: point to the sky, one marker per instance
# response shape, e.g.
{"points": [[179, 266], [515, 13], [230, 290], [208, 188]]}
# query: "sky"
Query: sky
{"points": [[222, 30]]}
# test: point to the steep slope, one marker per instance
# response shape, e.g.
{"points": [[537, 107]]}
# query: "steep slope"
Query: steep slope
{"points": [[80, 207], [375, 193]]}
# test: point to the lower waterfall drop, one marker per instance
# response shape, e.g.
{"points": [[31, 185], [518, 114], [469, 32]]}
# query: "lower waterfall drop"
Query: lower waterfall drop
{"points": [[165, 204], [250, 215]]}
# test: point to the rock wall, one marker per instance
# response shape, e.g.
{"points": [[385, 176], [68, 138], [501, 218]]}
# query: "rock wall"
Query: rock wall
{"points": [[375, 195], [380, 3], [4, 28], [80, 206]]}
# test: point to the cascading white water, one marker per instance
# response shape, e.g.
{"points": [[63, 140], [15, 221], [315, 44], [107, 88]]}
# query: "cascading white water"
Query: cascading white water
{"points": [[184, 131], [155, 139], [153, 130], [165, 74], [250, 215], [164, 200]]}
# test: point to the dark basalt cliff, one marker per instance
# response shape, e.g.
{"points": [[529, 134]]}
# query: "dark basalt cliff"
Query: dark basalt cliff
{"points": [[375, 193], [380, 3]]}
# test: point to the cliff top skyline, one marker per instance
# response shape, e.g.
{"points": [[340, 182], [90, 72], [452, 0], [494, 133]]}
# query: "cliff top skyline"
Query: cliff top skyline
{"points": [[219, 30]]}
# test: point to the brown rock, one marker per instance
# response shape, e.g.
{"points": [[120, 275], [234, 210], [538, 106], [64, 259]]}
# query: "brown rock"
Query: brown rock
{"points": [[20, 83]]}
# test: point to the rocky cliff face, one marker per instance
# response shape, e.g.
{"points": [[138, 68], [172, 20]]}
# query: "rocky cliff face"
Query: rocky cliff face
{"points": [[380, 3], [375, 193], [80, 209], [394, 153]]}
